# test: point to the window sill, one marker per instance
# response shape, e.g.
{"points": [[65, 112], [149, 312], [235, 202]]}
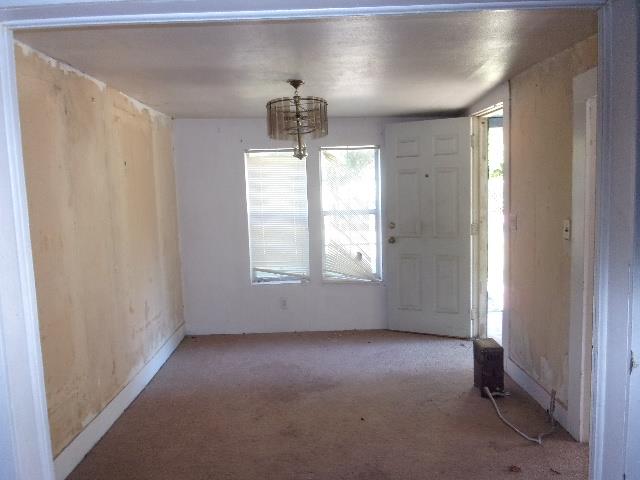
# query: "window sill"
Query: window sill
{"points": [[353, 282], [281, 282]]}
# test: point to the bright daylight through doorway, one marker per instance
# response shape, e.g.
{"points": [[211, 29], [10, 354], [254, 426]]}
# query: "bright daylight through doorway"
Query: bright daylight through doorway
{"points": [[495, 220]]}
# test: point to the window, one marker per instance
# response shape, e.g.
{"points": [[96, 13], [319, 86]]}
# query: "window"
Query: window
{"points": [[350, 213], [277, 212]]}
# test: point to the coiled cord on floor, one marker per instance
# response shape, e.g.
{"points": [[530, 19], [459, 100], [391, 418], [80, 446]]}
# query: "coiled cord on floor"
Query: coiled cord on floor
{"points": [[539, 438]]}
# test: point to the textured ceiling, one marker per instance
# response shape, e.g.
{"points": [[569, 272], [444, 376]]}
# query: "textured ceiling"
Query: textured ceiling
{"points": [[363, 66]]}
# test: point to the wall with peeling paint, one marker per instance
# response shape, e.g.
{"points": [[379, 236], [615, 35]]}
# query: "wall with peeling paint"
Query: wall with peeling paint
{"points": [[540, 191], [103, 218]]}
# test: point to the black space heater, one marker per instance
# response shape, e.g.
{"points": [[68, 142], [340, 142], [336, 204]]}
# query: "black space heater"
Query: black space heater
{"points": [[488, 365]]}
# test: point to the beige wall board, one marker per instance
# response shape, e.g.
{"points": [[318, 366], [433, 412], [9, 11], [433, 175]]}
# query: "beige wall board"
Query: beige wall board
{"points": [[540, 177], [101, 194]]}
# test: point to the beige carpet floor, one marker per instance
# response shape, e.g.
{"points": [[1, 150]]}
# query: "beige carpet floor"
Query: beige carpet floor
{"points": [[313, 406]]}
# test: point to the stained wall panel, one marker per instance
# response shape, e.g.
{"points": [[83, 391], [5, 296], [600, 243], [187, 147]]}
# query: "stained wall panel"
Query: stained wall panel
{"points": [[102, 208], [540, 194]]}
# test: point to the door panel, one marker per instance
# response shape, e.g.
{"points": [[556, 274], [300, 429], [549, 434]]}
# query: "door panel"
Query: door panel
{"points": [[410, 280], [409, 215], [407, 147], [447, 284], [447, 206], [445, 145], [428, 199]]}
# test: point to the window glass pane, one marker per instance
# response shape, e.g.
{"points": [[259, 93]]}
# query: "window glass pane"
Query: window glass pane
{"points": [[277, 212], [350, 205]]}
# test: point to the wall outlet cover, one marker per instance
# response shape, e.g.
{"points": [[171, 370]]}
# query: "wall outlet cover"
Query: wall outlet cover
{"points": [[566, 229]]}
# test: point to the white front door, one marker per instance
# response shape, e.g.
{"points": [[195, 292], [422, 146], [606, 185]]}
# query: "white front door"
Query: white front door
{"points": [[427, 226]]}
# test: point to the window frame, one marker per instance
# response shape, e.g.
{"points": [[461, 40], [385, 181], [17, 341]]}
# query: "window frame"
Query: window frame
{"points": [[253, 281], [377, 212]]}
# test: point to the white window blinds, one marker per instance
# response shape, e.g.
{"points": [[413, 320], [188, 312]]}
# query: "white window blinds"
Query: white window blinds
{"points": [[277, 212], [351, 213]]}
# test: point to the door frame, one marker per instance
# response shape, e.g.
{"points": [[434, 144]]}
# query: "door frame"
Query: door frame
{"points": [[25, 449], [479, 227], [616, 231], [480, 198], [583, 217]]}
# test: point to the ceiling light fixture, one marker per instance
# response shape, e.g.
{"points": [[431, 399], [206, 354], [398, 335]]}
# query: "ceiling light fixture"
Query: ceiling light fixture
{"points": [[292, 118]]}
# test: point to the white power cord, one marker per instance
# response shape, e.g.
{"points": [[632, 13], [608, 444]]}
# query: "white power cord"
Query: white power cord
{"points": [[537, 440]]}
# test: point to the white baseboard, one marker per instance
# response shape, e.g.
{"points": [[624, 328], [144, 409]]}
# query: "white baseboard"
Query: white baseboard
{"points": [[534, 389], [73, 453]]}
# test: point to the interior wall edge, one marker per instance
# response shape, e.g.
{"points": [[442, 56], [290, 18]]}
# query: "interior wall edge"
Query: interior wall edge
{"points": [[613, 442], [24, 432]]}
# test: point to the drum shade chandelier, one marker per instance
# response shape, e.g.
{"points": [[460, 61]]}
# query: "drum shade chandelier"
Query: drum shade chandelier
{"points": [[292, 118]]}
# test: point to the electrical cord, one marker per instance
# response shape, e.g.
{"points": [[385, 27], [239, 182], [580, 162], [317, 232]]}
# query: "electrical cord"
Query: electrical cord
{"points": [[537, 440]]}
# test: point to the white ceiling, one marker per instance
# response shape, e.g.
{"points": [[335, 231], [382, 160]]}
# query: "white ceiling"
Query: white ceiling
{"points": [[363, 66]]}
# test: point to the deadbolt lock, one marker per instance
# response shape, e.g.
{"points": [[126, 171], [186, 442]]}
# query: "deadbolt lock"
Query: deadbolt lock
{"points": [[392, 239], [392, 225]]}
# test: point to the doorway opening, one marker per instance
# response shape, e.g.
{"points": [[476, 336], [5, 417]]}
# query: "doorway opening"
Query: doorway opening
{"points": [[489, 222], [495, 224]]}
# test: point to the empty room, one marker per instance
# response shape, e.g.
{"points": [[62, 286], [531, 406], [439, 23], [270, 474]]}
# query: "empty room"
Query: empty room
{"points": [[332, 242]]}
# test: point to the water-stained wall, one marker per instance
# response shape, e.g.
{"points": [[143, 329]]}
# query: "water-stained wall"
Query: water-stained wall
{"points": [[103, 219], [540, 192]]}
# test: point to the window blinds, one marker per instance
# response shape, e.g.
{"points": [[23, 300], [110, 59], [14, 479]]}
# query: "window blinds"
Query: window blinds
{"points": [[277, 212], [350, 210]]}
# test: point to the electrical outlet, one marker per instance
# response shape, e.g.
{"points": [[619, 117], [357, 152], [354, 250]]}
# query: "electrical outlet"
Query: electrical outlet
{"points": [[283, 303], [566, 229]]}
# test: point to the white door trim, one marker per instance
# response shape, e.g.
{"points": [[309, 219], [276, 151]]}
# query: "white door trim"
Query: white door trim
{"points": [[26, 450], [19, 330], [633, 426], [582, 258], [615, 184]]}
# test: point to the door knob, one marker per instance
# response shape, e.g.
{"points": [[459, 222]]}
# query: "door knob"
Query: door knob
{"points": [[392, 240]]}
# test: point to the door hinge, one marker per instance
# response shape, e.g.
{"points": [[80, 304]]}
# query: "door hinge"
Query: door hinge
{"points": [[633, 364]]}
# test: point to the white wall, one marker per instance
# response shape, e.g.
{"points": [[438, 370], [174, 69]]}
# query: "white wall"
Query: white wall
{"points": [[218, 294]]}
